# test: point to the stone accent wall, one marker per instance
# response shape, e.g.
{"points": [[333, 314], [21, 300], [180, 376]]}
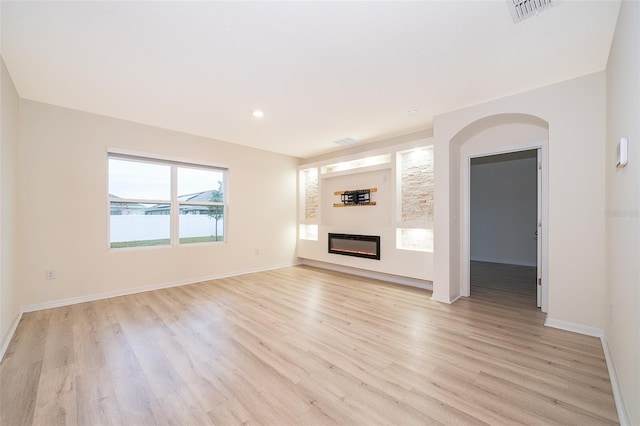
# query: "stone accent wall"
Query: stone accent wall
{"points": [[416, 174], [310, 194]]}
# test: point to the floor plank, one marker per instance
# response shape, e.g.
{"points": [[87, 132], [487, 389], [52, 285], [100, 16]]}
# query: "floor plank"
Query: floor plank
{"points": [[305, 346]]}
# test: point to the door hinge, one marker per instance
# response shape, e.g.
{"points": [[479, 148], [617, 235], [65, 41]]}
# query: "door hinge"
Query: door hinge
{"points": [[539, 281], [539, 165]]}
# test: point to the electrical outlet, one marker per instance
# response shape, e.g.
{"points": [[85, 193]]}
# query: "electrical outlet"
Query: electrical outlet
{"points": [[50, 274], [256, 252]]}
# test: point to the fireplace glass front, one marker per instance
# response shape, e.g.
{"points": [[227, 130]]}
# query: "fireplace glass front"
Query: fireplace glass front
{"points": [[367, 246]]}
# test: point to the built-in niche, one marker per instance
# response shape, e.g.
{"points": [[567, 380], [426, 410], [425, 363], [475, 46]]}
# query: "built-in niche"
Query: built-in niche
{"points": [[386, 196], [310, 199], [414, 168], [375, 212]]}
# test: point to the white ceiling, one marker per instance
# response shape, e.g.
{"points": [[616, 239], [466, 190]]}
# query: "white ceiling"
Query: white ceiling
{"points": [[321, 71]]}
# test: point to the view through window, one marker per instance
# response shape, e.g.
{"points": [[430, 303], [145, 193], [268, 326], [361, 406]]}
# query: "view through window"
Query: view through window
{"points": [[157, 202]]}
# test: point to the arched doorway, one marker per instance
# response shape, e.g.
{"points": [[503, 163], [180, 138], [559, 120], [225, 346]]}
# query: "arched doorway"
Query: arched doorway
{"points": [[492, 135]]}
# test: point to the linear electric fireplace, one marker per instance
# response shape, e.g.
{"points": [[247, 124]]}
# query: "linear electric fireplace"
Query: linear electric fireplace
{"points": [[367, 246]]}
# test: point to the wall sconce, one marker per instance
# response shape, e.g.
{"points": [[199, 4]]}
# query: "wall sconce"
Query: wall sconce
{"points": [[623, 152]]}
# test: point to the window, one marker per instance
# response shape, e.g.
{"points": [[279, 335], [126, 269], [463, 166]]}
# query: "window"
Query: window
{"points": [[160, 203]]}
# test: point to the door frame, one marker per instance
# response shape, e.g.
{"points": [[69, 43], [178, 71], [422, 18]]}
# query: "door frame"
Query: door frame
{"points": [[543, 194]]}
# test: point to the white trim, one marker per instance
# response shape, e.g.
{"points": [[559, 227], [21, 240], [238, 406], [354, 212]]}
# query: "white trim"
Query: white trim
{"points": [[173, 202], [106, 295], [396, 279], [356, 170], [576, 328], [448, 301], [505, 149], [621, 408], [174, 208], [151, 287], [465, 194], [150, 156], [540, 239], [340, 157], [7, 337], [623, 413]]}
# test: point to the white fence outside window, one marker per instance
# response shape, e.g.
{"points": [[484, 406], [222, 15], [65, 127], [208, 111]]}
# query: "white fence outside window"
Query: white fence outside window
{"points": [[152, 227]]}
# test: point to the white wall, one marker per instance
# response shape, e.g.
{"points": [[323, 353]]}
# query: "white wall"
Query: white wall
{"points": [[9, 303], [575, 113], [503, 211], [623, 207], [63, 169]]}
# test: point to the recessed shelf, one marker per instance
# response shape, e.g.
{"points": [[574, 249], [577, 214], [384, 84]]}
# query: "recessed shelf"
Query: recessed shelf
{"points": [[356, 164]]}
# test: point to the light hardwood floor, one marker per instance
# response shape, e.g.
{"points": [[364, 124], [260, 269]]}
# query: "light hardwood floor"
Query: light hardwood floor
{"points": [[300, 346], [512, 284]]}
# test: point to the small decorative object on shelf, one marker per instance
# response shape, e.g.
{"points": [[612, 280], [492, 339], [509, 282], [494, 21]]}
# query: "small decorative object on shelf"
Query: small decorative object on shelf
{"points": [[356, 197]]}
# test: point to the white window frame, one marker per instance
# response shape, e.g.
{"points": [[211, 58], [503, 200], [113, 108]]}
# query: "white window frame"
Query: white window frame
{"points": [[174, 203]]}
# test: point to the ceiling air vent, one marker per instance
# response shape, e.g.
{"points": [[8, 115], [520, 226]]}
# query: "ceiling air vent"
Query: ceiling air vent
{"points": [[523, 9], [346, 142]]}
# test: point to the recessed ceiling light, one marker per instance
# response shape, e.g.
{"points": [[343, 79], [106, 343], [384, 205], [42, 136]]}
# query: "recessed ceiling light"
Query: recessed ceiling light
{"points": [[412, 111], [258, 113]]}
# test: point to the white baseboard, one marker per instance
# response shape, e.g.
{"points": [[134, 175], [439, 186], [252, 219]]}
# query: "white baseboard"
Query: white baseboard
{"points": [[447, 300], [6, 339], [504, 261], [621, 408], [396, 279], [623, 413], [151, 287], [456, 298], [576, 328]]}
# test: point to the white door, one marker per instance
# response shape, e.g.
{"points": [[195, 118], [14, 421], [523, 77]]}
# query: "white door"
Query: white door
{"points": [[538, 235]]}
